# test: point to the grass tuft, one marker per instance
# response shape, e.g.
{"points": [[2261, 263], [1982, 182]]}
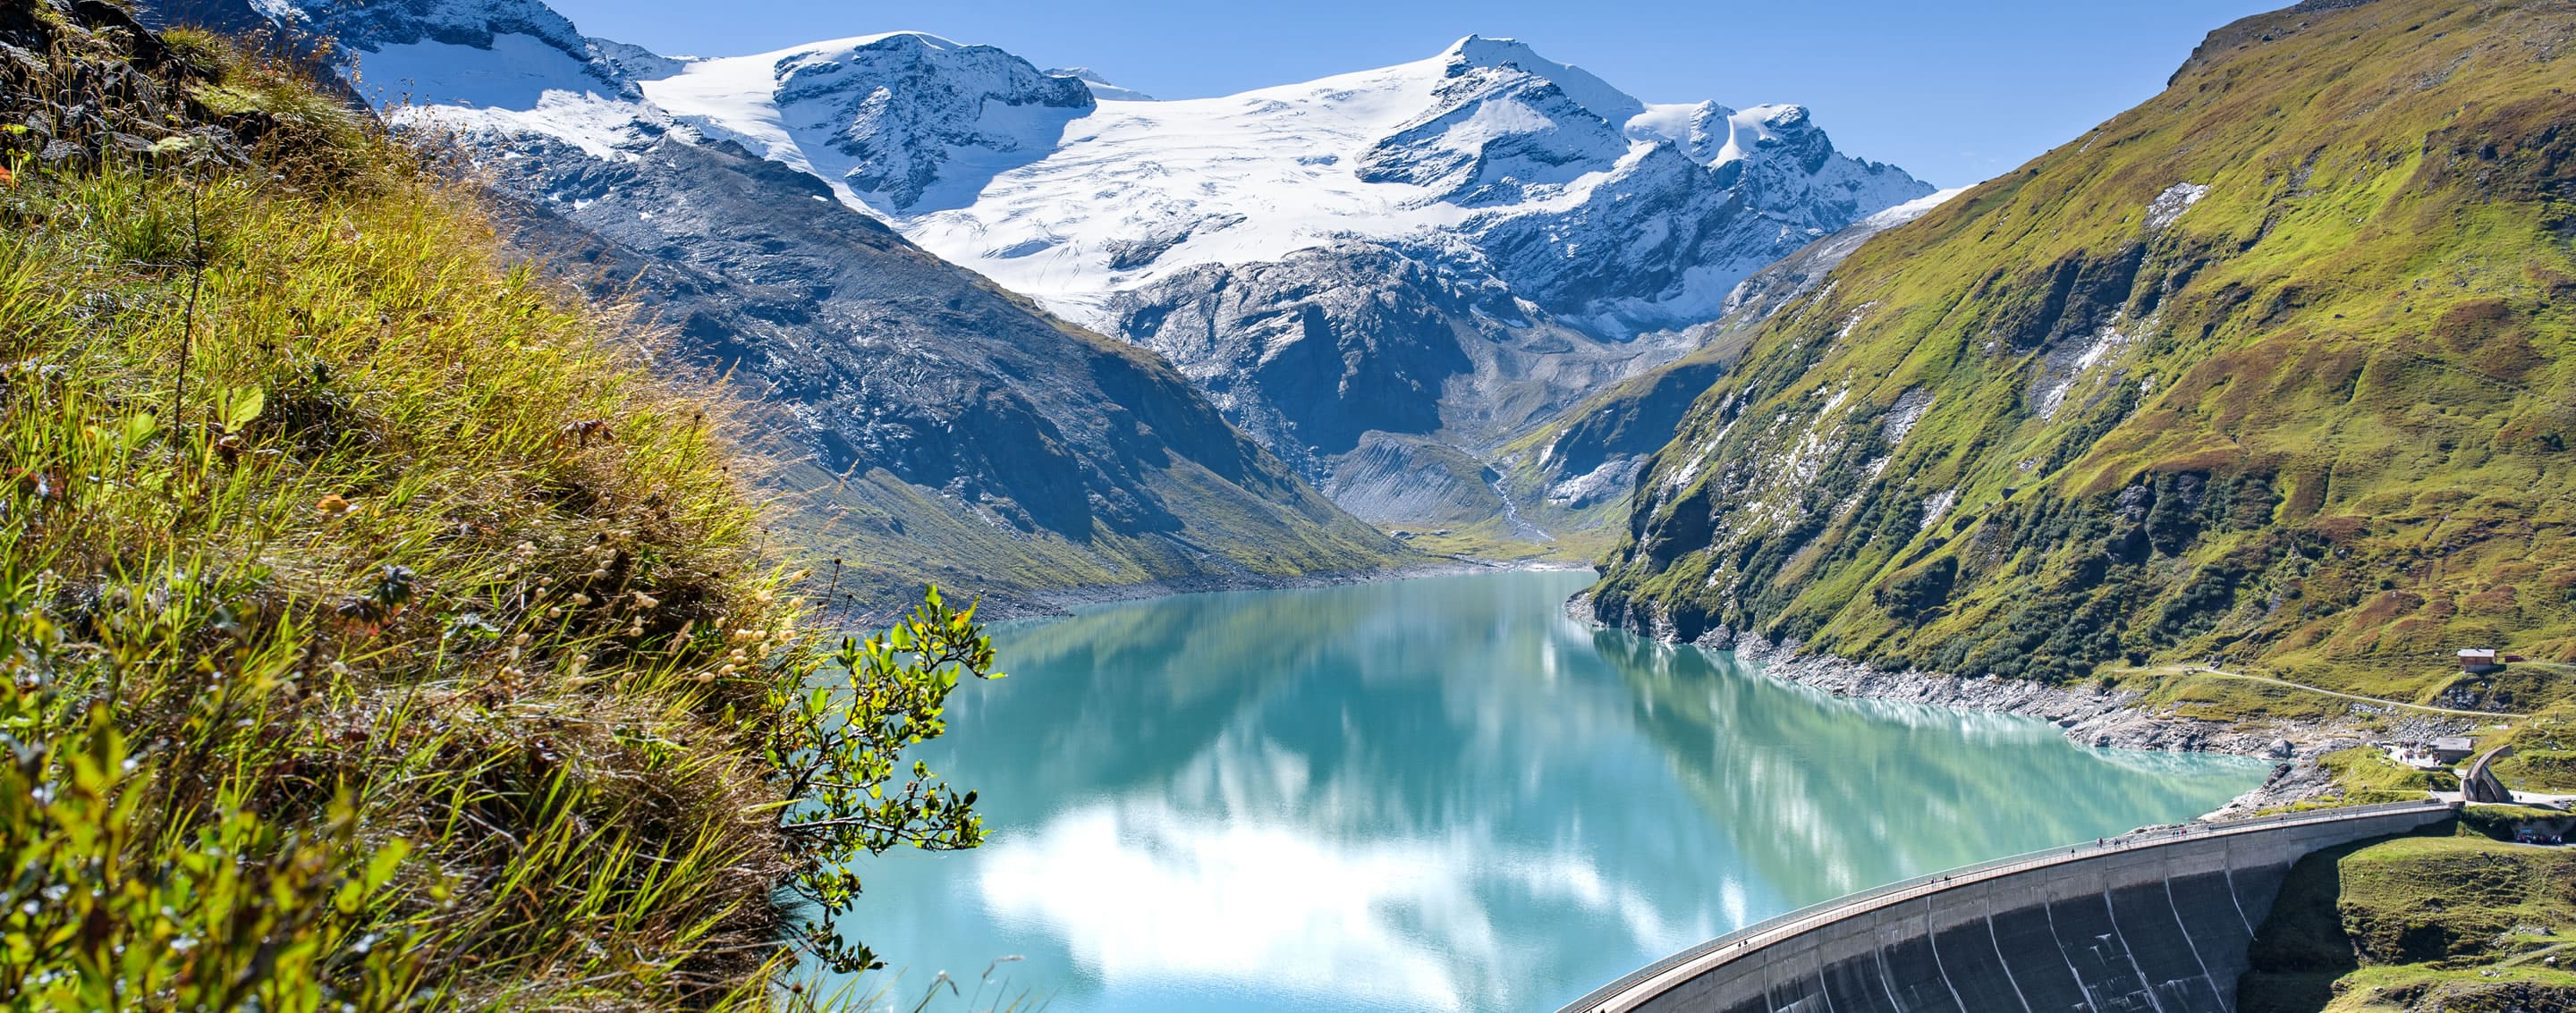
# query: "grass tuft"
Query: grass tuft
{"points": [[381, 627]]}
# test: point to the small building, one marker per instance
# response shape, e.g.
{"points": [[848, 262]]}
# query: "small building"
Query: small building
{"points": [[2438, 754], [2413, 754], [2483, 660]]}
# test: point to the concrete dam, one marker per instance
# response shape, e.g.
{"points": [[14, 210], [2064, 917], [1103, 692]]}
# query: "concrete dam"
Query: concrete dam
{"points": [[2153, 922]]}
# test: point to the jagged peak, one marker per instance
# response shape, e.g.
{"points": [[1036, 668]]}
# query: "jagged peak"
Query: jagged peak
{"points": [[897, 40], [1586, 89]]}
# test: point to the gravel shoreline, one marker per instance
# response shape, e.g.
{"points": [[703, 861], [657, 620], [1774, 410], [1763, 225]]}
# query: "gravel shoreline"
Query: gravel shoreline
{"points": [[2089, 716]]}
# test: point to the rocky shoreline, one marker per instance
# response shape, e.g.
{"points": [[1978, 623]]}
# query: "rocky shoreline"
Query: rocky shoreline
{"points": [[2088, 715]]}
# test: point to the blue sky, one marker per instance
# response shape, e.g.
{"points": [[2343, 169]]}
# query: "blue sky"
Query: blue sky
{"points": [[1954, 92]]}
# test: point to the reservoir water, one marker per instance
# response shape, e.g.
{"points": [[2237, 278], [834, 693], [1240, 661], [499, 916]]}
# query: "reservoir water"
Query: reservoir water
{"points": [[1431, 795]]}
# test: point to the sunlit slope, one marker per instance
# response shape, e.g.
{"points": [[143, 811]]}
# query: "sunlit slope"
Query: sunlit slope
{"points": [[2273, 367]]}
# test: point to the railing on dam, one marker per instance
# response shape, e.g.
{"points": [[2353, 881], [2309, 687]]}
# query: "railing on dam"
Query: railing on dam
{"points": [[2297, 830]]}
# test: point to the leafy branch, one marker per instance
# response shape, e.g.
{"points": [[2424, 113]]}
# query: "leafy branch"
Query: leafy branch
{"points": [[837, 750]]}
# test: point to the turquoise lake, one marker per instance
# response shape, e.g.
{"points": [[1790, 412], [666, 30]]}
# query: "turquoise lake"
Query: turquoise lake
{"points": [[1431, 795]]}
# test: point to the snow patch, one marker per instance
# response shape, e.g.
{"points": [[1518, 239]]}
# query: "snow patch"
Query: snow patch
{"points": [[1482, 154], [1613, 479], [1100, 87], [1517, 172], [518, 72], [1852, 323], [1938, 505], [602, 128], [1909, 211], [2170, 204]]}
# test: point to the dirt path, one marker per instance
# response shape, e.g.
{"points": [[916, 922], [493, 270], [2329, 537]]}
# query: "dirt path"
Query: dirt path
{"points": [[2188, 670]]}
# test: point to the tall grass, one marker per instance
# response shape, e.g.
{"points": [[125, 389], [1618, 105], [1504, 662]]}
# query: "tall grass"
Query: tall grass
{"points": [[379, 627]]}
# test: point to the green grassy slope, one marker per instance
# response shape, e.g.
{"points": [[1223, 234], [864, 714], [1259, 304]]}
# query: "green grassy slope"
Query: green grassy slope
{"points": [[2315, 419], [2418, 923], [376, 631]]}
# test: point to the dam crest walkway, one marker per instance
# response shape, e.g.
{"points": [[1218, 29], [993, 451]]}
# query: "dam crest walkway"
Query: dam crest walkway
{"points": [[2156, 921]]}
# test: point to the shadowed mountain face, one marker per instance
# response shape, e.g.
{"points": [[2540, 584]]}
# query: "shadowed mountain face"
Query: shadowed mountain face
{"points": [[1571, 476], [927, 424], [925, 408], [1377, 374], [2275, 367]]}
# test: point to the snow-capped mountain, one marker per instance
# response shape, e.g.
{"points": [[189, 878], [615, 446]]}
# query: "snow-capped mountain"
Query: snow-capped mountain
{"points": [[1426, 261], [918, 421], [1100, 87], [1488, 159], [904, 122]]}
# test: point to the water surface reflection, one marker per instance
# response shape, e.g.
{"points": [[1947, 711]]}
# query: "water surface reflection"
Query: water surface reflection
{"points": [[1439, 794]]}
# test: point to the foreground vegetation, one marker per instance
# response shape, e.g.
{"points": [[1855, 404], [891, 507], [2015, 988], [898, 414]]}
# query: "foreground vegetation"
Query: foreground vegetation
{"points": [[378, 631]]}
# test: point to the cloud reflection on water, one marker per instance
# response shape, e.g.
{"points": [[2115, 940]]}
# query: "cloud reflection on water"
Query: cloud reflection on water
{"points": [[1442, 795], [1246, 891]]}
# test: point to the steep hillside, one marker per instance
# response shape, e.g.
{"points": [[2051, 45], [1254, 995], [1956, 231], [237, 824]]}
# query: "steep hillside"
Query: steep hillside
{"points": [[933, 426], [2274, 368], [377, 632]]}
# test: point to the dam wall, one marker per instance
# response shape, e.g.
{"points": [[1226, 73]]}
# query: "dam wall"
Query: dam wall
{"points": [[2152, 922]]}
